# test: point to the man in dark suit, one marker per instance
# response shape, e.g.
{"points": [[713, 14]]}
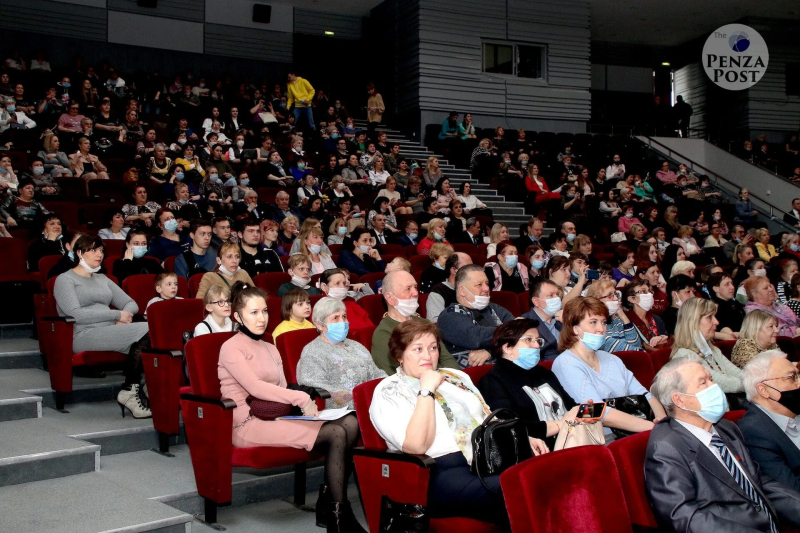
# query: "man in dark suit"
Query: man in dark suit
{"points": [[699, 475], [535, 230], [793, 217], [379, 231], [769, 427], [544, 294], [411, 236], [472, 235]]}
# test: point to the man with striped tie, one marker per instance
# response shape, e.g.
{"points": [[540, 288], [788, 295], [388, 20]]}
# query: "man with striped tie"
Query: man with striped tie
{"points": [[699, 475]]}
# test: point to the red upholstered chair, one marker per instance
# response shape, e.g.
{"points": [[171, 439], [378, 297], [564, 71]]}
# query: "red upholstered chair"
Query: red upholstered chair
{"points": [[58, 331], [566, 491], [392, 249], [194, 284], [169, 263], [271, 281], [640, 364], [163, 361], [14, 253], [208, 419], [68, 211], [364, 336], [46, 263], [275, 318], [422, 299], [475, 373], [290, 345], [410, 250], [726, 347], [419, 262], [141, 287], [114, 247], [400, 476], [790, 346], [284, 262], [505, 299], [660, 358], [524, 302], [375, 307], [465, 248], [734, 416], [335, 249], [629, 454], [373, 277]]}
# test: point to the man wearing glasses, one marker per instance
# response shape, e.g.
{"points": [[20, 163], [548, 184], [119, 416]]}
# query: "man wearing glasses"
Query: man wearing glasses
{"points": [[769, 428]]}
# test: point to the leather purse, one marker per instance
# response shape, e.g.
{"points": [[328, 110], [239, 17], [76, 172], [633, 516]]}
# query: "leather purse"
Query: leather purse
{"points": [[498, 444], [634, 405], [269, 410], [574, 433]]}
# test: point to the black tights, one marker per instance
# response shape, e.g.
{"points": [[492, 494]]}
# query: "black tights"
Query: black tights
{"points": [[133, 365], [338, 437]]}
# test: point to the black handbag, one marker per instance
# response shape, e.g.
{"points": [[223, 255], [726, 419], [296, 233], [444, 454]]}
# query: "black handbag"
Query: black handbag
{"points": [[634, 405], [403, 517], [499, 445]]}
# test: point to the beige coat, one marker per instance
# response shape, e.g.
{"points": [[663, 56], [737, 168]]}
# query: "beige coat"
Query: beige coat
{"points": [[216, 278], [376, 103]]}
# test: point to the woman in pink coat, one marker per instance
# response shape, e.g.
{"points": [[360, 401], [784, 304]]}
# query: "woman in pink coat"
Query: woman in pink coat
{"points": [[249, 366]]}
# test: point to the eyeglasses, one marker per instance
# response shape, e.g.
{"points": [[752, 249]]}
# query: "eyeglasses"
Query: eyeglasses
{"points": [[222, 303], [612, 296], [794, 376], [531, 341]]}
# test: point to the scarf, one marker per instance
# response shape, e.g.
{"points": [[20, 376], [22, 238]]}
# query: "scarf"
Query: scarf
{"points": [[459, 419]]}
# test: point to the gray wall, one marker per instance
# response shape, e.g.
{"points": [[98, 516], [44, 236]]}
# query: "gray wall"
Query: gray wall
{"points": [[53, 18], [769, 108], [691, 82]]}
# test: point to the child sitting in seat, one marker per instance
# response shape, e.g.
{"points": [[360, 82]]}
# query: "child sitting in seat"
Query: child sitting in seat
{"points": [[295, 310], [167, 288], [218, 308]]}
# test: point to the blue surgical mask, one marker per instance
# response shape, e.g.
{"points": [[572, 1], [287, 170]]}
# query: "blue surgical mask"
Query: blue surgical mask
{"points": [[794, 247], [66, 85], [282, 106], [38, 171], [11, 108], [335, 136], [575, 275], [570, 237], [337, 331], [139, 251], [245, 183], [301, 166], [511, 261], [215, 178], [3, 170], [413, 236], [183, 202], [593, 341], [437, 236], [71, 255], [528, 358], [713, 404], [438, 265], [342, 230], [179, 176], [171, 225], [552, 306], [537, 264]]}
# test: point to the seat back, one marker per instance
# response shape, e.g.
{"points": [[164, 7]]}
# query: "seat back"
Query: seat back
{"points": [[113, 247], [726, 347], [393, 249], [202, 358], [505, 299], [274, 308], [269, 282], [374, 305], [585, 493], [168, 320], [194, 283], [363, 336], [290, 345], [169, 263], [14, 253], [419, 262], [640, 364], [734, 416], [373, 277], [629, 454], [524, 302], [660, 358], [141, 287], [46, 263], [475, 373], [362, 398], [789, 346], [68, 211], [422, 299]]}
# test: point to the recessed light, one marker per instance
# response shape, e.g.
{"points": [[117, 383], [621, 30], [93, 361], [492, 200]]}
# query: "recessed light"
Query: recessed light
{"points": [[328, 33], [665, 63]]}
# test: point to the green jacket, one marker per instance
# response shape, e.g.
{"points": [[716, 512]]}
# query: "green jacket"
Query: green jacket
{"points": [[380, 347]]}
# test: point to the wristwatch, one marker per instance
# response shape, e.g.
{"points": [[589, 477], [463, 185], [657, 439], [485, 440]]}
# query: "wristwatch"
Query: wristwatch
{"points": [[425, 392]]}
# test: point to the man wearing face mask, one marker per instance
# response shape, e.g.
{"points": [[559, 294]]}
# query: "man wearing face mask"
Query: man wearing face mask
{"points": [[401, 295], [699, 474], [568, 229], [443, 294], [468, 325], [546, 310], [134, 261], [769, 428]]}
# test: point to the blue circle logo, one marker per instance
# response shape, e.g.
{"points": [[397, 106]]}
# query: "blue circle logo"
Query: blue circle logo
{"points": [[739, 42]]}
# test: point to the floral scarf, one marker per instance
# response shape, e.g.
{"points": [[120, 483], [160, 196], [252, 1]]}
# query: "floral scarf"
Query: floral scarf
{"points": [[459, 419]]}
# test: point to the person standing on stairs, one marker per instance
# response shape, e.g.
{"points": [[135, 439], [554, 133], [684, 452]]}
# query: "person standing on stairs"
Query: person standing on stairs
{"points": [[375, 109], [86, 296]]}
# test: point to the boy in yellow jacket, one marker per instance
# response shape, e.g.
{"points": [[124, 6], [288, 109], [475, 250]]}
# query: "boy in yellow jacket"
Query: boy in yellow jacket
{"points": [[299, 92]]}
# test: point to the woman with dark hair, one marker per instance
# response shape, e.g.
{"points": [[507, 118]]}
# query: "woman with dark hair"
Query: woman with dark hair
{"points": [[140, 212], [444, 194], [51, 242], [383, 206], [87, 296], [672, 255], [507, 274], [114, 225], [23, 211], [169, 242], [638, 300], [730, 313], [651, 273], [472, 204], [358, 255], [250, 367], [624, 259]]}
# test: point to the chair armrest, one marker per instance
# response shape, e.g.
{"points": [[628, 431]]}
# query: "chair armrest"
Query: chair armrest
{"points": [[423, 461], [67, 319], [323, 394], [173, 353], [225, 403]]}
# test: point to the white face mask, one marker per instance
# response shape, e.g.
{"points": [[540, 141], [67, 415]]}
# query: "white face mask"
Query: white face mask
{"points": [[760, 272], [646, 301], [338, 293], [314, 248], [228, 272], [89, 269], [613, 307], [300, 282], [363, 249], [406, 307], [481, 302]]}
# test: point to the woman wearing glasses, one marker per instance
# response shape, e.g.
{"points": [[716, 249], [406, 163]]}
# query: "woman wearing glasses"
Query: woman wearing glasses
{"points": [[621, 334], [638, 298]]}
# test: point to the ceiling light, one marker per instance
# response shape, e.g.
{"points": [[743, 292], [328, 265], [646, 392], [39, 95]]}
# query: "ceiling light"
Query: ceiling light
{"points": [[665, 63], [328, 33]]}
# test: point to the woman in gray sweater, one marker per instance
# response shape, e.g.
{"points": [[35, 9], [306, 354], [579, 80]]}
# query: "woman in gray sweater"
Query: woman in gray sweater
{"points": [[87, 296], [56, 163]]}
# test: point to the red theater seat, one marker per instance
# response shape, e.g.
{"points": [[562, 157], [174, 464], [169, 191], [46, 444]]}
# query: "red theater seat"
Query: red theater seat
{"points": [[400, 476], [506, 300], [476, 373], [114, 247], [375, 307], [422, 299], [141, 287], [419, 262], [660, 358], [194, 284], [208, 419], [373, 277], [524, 302], [271, 281], [629, 454], [566, 491], [734, 416], [640, 364], [163, 361], [726, 347], [290, 345]]}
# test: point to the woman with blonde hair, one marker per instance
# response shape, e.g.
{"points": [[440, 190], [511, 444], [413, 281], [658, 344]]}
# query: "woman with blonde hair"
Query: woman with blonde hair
{"points": [[498, 234], [764, 249], [694, 331], [338, 231], [432, 173], [56, 163], [437, 229], [311, 247], [289, 231], [758, 334], [687, 242], [683, 267], [227, 271], [671, 224]]}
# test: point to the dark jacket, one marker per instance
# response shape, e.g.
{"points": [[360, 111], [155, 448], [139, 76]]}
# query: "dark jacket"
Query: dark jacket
{"points": [[405, 241], [691, 490], [351, 262], [550, 350], [770, 447], [431, 276], [124, 268], [502, 387], [265, 260], [464, 329], [388, 236]]}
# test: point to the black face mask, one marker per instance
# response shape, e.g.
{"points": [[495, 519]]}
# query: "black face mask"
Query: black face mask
{"points": [[790, 399], [242, 328]]}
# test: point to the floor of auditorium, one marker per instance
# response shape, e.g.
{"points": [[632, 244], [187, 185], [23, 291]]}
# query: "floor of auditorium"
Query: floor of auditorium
{"points": [[90, 470]]}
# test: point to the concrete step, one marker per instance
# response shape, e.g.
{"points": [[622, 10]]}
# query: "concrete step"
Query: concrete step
{"points": [[15, 405], [20, 353], [37, 382]]}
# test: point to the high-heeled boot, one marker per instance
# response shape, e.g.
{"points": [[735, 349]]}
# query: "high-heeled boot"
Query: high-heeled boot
{"points": [[342, 520], [323, 504], [131, 399]]}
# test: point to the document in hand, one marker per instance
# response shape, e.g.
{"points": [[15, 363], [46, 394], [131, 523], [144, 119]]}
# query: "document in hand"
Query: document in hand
{"points": [[326, 415]]}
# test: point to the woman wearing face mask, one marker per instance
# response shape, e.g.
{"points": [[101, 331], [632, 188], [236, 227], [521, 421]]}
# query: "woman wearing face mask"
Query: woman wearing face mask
{"points": [[332, 361], [679, 289], [762, 295], [228, 270], [436, 273], [249, 366], [759, 333], [358, 255], [437, 230], [134, 261], [755, 267], [169, 243], [638, 300], [730, 313], [300, 269], [338, 231], [338, 191], [335, 284], [695, 331], [538, 259], [625, 222], [241, 188], [589, 373], [649, 272], [225, 172], [311, 245], [23, 211], [214, 184], [621, 334], [87, 296]]}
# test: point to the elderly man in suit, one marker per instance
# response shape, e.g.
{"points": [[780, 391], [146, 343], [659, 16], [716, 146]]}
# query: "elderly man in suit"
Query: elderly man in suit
{"points": [[699, 475], [546, 309], [772, 385]]}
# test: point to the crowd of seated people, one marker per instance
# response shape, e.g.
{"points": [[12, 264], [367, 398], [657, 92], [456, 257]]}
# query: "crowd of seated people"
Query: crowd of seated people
{"points": [[280, 182]]}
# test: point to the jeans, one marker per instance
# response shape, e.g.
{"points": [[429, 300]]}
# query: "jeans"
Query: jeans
{"points": [[308, 114]]}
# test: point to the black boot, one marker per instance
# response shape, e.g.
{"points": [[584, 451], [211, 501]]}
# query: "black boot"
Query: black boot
{"points": [[323, 504], [342, 520]]}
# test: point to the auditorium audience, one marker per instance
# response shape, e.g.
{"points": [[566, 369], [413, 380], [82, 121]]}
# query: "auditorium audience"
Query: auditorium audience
{"points": [[546, 312], [227, 270], [759, 333], [334, 283]]}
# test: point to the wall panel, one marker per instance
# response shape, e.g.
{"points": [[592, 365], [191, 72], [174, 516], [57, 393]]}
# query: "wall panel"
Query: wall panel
{"points": [[248, 43], [54, 18], [187, 10], [155, 32], [318, 22]]}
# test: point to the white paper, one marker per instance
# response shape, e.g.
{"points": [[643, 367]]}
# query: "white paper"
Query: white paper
{"points": [[325, 415]]}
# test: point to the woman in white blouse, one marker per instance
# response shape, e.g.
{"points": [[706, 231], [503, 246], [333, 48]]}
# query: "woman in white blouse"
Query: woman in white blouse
{"points": [[425, 410], [378, 175]]}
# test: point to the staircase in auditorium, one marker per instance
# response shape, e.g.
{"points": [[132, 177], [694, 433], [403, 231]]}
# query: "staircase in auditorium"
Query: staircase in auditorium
{"points": [[512, 214]]}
